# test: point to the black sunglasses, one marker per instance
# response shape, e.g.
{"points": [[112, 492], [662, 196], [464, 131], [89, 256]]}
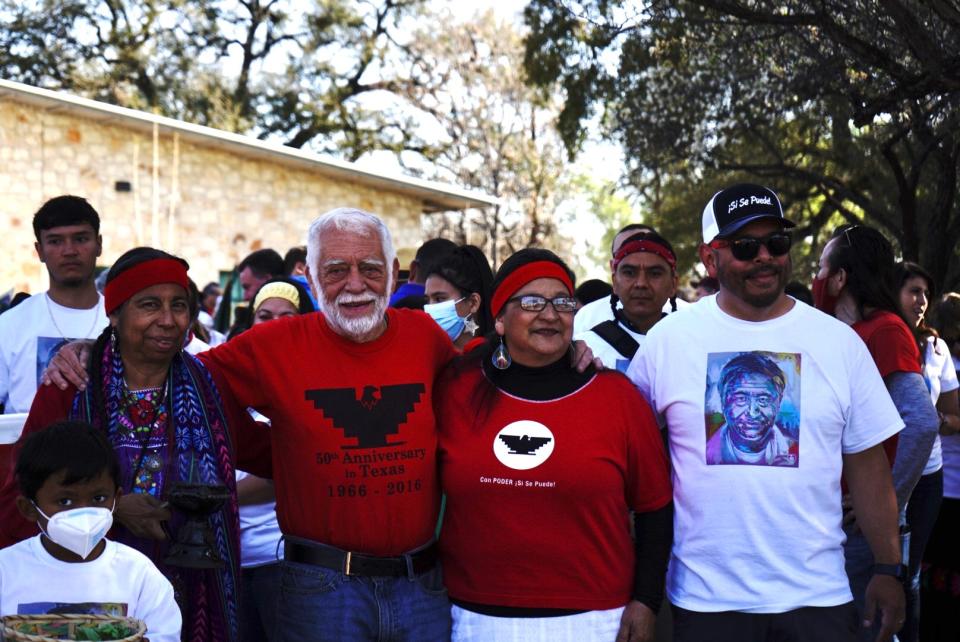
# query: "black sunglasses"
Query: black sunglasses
{"points": [[747, 248]]}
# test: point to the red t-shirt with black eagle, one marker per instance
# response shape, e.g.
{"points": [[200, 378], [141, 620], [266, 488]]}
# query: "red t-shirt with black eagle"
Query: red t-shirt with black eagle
{"points": [[353, 431], [539, 492]]}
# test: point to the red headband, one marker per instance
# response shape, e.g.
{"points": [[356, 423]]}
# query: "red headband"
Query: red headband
{"points": [[523, 275], [142, 276], [645, 246]]}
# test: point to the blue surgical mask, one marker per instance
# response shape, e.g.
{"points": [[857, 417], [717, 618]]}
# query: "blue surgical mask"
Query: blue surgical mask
{"points": [[445, 314]]}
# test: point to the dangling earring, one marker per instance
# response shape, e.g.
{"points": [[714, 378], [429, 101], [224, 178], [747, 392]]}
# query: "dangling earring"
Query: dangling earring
{"points": [[501, 356], [113, 339]]}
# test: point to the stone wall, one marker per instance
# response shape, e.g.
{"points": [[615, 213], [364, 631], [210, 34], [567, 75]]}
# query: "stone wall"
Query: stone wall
{"points": [[229, 204]]}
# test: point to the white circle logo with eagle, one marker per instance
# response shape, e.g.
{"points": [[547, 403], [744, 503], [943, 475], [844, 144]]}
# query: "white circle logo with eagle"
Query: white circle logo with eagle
{"points": [[523, 445]]}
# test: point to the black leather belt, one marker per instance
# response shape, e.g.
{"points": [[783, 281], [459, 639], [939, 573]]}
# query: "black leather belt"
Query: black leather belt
{"points": [[350, 563]]}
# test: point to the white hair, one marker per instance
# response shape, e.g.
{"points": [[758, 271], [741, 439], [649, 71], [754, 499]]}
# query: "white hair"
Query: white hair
{"points": [[347, 219], [358, 222]]}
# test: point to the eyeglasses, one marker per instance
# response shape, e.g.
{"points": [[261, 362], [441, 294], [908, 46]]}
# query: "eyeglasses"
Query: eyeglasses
{"points": [[536, 303], [747, 248]]}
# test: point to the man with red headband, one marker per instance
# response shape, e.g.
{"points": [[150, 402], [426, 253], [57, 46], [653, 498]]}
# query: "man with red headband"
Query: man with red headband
{"points": [[644, 284], [766, 402], [68, 244]]}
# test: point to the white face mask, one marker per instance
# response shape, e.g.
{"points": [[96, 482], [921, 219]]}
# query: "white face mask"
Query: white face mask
{"points": [[78, 530]]}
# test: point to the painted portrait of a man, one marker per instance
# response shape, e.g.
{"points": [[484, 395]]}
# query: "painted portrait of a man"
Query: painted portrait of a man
{"points": [[751, 388]]}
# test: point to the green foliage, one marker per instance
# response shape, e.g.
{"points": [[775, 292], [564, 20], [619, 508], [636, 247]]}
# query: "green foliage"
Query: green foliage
{"points": [[849, 108], [605, 202], [107, 631], [491, 131], [101, 631], [280, 68], [562, 48]]}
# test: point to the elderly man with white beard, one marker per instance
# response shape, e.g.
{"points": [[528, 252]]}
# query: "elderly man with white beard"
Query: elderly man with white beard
{"points": [[349, 396]]}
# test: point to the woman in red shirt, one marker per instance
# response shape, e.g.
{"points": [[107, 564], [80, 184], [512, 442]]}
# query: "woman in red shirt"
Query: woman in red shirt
{"points": [[542, 466], [857, 284]]}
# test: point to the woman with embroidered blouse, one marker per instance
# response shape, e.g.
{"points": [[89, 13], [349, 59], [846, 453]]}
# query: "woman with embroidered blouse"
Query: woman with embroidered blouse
{"points": [[168, 423]]}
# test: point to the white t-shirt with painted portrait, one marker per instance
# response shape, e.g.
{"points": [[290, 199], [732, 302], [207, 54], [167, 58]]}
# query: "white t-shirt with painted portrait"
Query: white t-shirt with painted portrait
{"points": [[763, 534]]}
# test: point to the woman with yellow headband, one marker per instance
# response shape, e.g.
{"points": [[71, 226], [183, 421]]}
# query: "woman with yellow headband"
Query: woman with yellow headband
{"points": [[542, 466], [259, 531], [280, 298], [169, 423]]}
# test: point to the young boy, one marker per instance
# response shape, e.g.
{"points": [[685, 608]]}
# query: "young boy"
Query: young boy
{"points": [[69, 476]]}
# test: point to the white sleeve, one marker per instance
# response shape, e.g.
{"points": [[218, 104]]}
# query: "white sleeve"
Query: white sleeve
{"points": [[4, 364], [157, 607], [948, 376], [872, 416], [640, 372]]}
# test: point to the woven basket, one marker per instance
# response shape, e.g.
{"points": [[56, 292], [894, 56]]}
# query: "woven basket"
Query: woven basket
{"points": [[41, 628]]}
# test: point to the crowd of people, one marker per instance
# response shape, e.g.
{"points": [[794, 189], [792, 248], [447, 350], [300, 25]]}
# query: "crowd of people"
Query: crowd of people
{"points": [[476, 455]]}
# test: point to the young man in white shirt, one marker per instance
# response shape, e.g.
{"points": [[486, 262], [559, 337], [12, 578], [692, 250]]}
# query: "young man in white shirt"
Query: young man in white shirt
{"points": [[69, 479], [758, 544], [67, 229], [644, 277]]}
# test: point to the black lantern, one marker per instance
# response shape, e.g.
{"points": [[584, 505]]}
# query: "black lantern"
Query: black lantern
{"points": [[195, 546]]}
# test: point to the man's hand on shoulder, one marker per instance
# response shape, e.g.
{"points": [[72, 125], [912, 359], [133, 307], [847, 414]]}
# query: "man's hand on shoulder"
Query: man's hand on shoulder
{"points": [[69, 366], [583, 357]]}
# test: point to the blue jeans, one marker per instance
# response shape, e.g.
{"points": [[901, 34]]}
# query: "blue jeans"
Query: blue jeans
{"points": [[922, 511], [259, 601], [319, 604]]}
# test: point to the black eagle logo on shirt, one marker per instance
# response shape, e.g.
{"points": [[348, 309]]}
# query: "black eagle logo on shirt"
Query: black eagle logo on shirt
{"points": [[371, 418], [525, 445]]}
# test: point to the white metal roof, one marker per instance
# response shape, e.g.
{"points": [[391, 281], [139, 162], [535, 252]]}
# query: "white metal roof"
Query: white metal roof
{"points": [[435, 196]]}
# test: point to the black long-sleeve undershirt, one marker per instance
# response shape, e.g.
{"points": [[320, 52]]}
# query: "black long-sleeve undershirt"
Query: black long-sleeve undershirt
{"points": [[652, 543]]}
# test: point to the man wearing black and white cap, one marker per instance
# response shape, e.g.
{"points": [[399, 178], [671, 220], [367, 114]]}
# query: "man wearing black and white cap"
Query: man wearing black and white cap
{"points": [[758, 548]]}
